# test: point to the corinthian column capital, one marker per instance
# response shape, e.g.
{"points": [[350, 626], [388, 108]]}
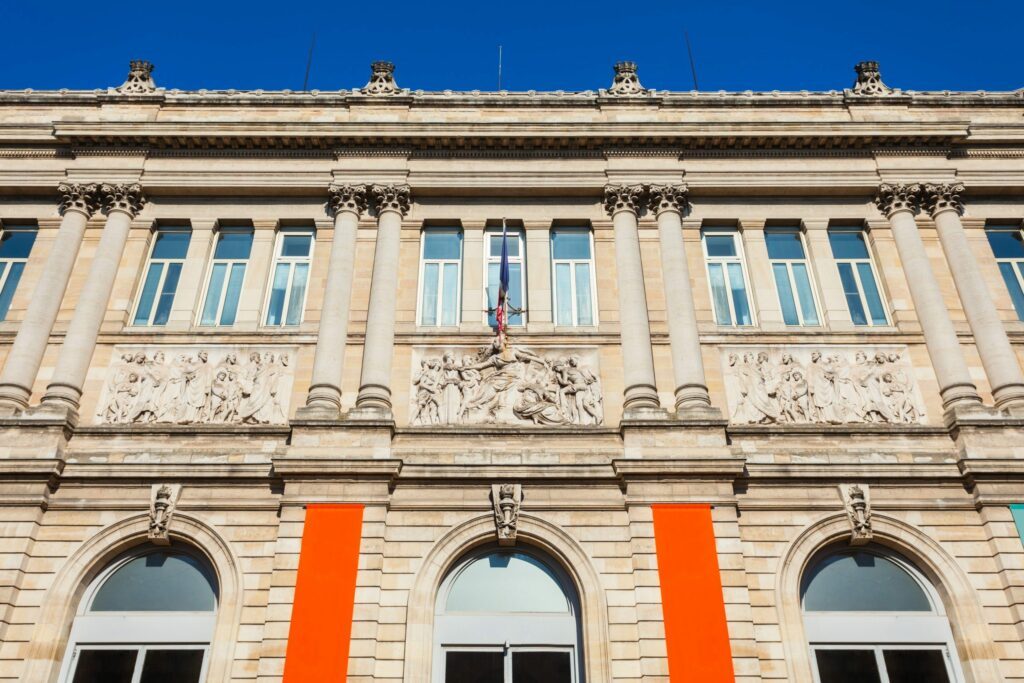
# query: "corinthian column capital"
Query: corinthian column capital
{"points": [[126, 198], [83, 198], [893, 198], [350, 198], [943, 197], [623, 198], [662, 198], [391, 198]]}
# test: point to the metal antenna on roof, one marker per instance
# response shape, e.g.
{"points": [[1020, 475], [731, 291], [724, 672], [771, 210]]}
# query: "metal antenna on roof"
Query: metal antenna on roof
{"points": [[693, 67], [499, 67], [309, 62]]}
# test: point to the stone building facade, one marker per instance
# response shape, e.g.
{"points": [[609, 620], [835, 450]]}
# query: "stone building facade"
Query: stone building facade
{"points": [[759, 409]]}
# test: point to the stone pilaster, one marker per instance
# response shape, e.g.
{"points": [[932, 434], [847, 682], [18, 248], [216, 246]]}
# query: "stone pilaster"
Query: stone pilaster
{"points": [[835, 310]]}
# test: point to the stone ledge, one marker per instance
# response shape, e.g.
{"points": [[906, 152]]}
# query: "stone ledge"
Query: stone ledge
{"points": [[668, 469], [337, 468], [183, 430], [836, 430]]}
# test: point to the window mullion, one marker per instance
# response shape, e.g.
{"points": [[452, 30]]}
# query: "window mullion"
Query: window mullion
{"points": [[140, 658], [164, 267], [287, 303]]}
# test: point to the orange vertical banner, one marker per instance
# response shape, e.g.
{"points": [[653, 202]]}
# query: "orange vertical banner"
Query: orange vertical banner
{"points": [[325, 587], [696, 633]]}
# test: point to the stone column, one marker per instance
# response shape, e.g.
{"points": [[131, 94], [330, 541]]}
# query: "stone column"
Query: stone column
{"points": [[622, 202], [997, 356], [392, 204], [77, 204], [121, 203], [669, 202], [347, 203], [899, 203]]}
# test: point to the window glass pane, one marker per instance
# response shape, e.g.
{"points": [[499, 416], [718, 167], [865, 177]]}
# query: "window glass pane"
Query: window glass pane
{"points": [[852, 294], [1013, 284], [275, 307], [563, 293], [804, 294], [163, 307], [296, 298], [513, 245], [784, 244], [789, 315], [847, 666], [720, 245], [158, 582], [231, 296], [871, 293], [913, 666], [442, 244], [719, 293], [179, 666], [474, 667], [148, 295], [171, 245], [584, 303], [527, 585], [541, 667], [296, 245], [105, 666], [429, 304], [213, 293], [570, 244], [10, 286], [16, 243], [739, 294], [449, 307], [233, 245], [515, 292], [1006, 243], [861, 581], [848, 244]]}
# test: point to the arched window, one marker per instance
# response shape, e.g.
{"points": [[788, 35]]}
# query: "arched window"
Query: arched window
{"points": [[507, 615], [871, 617], [147, 618]]}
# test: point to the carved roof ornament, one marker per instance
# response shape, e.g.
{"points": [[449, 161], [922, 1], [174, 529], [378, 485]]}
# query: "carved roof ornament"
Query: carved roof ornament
{"points": [[943, 197], [857, 502], [893, 197], [506, 499], [81, 197], [140, 79], [382, 80], [347, 198], [668, 198], [391, 198], [626, 81], [127, 198], [163, 499], [624, 198], [869, 80]]}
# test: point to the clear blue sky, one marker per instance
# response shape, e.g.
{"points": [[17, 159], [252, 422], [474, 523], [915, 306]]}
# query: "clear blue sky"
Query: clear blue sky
{"points": [[548, 45]]}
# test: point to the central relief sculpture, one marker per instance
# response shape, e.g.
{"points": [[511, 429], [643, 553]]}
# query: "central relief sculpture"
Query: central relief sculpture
{"points": [[505, 384]]}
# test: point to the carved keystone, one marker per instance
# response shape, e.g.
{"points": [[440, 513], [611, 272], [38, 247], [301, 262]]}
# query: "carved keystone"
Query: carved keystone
{"points": [[507, 499], [163, 499], [857, 502]]}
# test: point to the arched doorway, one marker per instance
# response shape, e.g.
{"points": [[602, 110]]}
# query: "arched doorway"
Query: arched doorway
{"points": [[148, 617], [872, 617], [507, 615]]}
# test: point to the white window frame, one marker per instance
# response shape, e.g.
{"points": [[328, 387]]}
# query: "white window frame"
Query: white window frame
{"points": [[856, 276], [440, 277], [520, 235], [572, 281], [741, 257], [163, 275], [1016, 264], [209, 276], [11, 261], [292, 261], [788, 262]]}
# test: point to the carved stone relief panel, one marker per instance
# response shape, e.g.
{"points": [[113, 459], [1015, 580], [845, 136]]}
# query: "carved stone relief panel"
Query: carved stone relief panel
{"points": [[196, 385], [510, 385], [791, 384]]}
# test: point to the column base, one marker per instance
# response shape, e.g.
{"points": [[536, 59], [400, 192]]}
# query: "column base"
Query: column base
{"points": [[14, 398], [1009, 398], [641, 400]]}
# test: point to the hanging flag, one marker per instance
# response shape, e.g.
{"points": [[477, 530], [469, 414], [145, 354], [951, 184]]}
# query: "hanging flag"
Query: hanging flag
{"points": [[501, 312]]}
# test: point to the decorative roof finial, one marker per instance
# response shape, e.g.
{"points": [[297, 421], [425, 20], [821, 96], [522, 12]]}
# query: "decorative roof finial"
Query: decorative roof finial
{"points": [[626, 81], [140, 78], [382, 79], [869, 80]]}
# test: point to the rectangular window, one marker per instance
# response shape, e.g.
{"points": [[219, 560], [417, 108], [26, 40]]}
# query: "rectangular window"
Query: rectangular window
{"points": [[1008, 246], [440, 277], [727, 277], [792, 276], [857, 273], [572, 263], [492, 260], [227, 274], [292, 258], [163, 270], [15, 246]]}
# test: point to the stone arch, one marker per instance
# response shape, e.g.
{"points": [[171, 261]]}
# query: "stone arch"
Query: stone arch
{"points": [[60, 605], [536, 532], [975, 647]]}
